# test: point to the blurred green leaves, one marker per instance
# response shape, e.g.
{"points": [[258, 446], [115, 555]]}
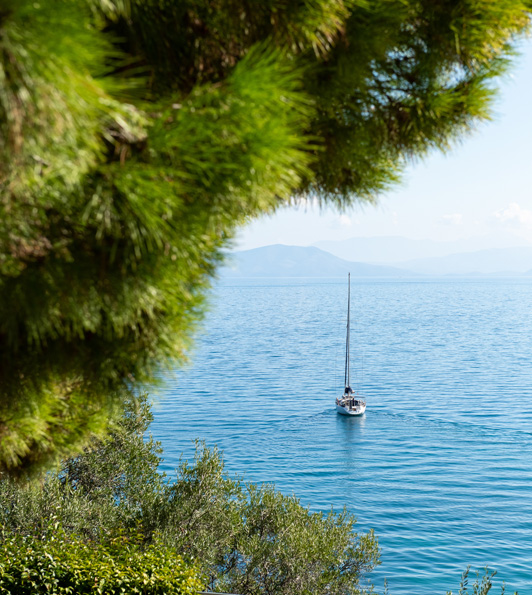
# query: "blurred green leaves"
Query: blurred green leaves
{"points": [[135, 136]]}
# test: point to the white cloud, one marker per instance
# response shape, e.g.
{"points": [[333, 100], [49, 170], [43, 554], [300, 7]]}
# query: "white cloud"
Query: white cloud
{"points": [[345, 221], [342, 223], [515, 216], [452, 219]]}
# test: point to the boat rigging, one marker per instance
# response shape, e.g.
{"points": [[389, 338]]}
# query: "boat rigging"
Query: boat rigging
{"points": [[350, 403]]}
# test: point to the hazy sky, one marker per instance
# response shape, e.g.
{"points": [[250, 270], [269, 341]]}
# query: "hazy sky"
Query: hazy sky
{"points": [[482, 187]]}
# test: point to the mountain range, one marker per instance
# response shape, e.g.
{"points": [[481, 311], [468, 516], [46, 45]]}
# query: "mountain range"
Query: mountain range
{"points": [[505, 261], [397, 249], [310, 261], [301, 261]]}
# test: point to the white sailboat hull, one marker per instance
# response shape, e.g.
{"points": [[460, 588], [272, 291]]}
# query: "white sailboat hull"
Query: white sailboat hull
{"points": [[344, 408]]}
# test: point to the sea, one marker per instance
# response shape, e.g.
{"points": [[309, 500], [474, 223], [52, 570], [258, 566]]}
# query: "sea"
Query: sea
{"points": [[440, 466]]}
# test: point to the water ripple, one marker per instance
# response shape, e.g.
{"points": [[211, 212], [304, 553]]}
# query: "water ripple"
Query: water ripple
{"points": [[441, 464]]}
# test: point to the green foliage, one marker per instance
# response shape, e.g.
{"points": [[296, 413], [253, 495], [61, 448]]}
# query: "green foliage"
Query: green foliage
{"points": [[253, 539], [245, 538], [482, 584], [406, 77], [111, 505], [67, 565], [100, 493], [136, 136]]}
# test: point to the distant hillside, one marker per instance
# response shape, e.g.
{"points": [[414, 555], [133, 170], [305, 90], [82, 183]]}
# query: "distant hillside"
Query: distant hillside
{"points": [[396, 250], [300, 261], [507, 261]]}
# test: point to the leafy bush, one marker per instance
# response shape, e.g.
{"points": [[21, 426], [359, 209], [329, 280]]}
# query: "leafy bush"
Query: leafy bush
{"points": [[123, 521], [67, 565], [254, 540], [246, 538]]}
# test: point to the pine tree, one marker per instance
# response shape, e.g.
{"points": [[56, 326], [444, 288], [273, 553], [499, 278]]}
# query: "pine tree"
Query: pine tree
{"points": [[136, 136]]}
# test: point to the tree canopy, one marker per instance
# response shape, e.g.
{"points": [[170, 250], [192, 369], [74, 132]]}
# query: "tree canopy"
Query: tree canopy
{"points": [[135, 136]]}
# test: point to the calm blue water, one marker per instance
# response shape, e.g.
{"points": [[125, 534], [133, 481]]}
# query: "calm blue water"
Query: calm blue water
{"points": [[441, 464]]}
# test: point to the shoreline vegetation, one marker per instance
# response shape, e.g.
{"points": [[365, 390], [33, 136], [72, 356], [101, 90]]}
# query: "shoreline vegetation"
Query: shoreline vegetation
{"points": [[111, 506], [108, 521]]}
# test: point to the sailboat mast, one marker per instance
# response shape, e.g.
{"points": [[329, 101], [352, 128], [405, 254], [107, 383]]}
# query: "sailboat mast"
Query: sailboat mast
{"points": [[346, 377]]}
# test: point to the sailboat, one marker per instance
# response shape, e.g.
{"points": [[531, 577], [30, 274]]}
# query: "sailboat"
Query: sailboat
{"points": [[350, 403]]}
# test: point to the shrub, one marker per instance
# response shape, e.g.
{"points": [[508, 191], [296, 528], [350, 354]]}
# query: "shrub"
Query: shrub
{"points": [[246, 538], [64, 564]]}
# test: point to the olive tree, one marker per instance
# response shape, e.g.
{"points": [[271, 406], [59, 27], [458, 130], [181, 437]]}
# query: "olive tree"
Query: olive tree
{"points": [[245, 538]]}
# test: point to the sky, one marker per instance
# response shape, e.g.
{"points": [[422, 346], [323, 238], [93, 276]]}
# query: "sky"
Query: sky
{"points": [[481, 189]]}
